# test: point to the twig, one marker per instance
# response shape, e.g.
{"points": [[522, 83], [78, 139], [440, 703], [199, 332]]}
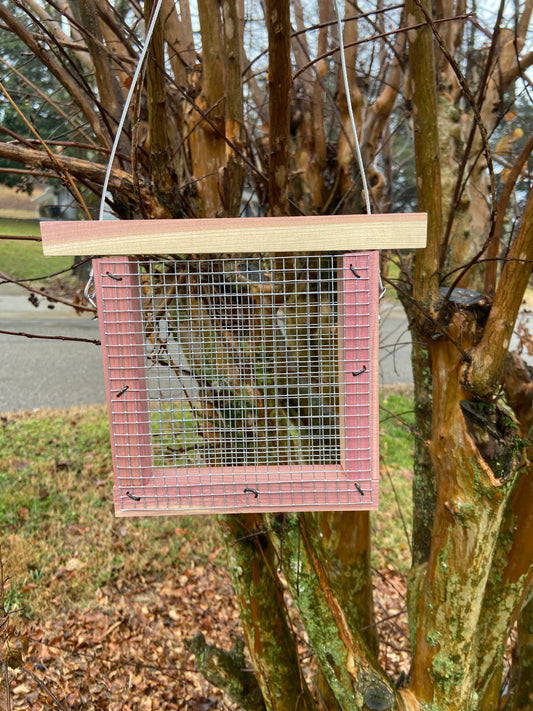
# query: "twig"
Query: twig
{"points": [[27, 280], [96, 341], [49, 101], [60, 167], [400, 511], [382, 35], [384, 619], [403, 422], [59, 299], [33, 238], [45, 688]]}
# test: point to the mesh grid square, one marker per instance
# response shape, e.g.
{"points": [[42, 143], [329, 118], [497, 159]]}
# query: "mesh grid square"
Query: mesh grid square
{"points": [[243, 382]]}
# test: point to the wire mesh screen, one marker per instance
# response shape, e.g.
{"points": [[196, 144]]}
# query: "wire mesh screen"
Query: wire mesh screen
{"points": [[241, 382]]}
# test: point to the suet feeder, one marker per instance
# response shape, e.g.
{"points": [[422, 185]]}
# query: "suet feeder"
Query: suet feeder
{"points": [[241, 364]]}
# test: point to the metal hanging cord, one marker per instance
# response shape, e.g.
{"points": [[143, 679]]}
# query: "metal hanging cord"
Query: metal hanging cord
{"points": [[155, 14], [133, 86], [350, 109], [358, 154]]}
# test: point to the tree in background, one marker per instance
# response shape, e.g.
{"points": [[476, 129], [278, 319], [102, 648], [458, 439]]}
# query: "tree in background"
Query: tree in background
{"points": [[247, 99]]}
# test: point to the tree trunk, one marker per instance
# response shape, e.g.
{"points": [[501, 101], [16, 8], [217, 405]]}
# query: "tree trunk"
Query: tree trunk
{"points": [[279, 78], [157, 115], [522, 685], [345, 659], [264, 615]]}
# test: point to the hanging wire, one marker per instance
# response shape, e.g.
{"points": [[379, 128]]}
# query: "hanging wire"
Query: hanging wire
{"points": [[350, 109], [89, 292], [358, 154], [133, 86], [89, 287], [155, 15]]}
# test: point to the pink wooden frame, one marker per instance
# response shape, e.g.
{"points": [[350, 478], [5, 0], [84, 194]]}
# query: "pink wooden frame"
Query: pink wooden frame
{"points": [[141, 489]]}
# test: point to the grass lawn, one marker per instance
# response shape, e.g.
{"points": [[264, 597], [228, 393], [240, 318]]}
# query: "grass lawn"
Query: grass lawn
{"points": [[103, 609], [56, 507], [24, 259]]}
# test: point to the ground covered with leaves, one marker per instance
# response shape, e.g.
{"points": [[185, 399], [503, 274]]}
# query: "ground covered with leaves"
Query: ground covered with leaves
{"points": [[129, 647], [99, 611]]}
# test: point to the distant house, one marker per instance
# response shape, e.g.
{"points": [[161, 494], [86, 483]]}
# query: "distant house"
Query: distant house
{"points": [[56, 203]]}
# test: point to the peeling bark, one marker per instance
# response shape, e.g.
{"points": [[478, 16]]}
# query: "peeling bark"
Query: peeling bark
{"points": [[511, 576], [270, 639], [207, 145], [179, 39], [344, 539], [482, 374], [468, 512], [343, 654]]}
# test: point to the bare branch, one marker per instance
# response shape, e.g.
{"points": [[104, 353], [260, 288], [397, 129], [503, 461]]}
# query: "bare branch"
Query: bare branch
{"points": [[22, 334], [48, 100], [50, 297], [487, 358], [80, 49], [48, 60], [501, 211], [77, 167]]}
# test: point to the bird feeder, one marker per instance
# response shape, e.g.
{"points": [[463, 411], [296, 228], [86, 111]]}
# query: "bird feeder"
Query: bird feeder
{"points": [[241, 364]]}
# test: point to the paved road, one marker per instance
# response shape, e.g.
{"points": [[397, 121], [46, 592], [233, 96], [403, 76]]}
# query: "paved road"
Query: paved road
{"points": [[38, 373], [394, 345]]}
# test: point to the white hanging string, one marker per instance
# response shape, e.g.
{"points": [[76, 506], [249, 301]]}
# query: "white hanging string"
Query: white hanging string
{"points": [[133, 86], [350, 109], [155, 14], [358, 154]]}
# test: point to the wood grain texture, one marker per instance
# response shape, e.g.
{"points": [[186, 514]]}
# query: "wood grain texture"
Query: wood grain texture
{"points": [[255, 234]]}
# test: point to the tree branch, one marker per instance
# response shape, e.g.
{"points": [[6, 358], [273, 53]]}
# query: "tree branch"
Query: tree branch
{"points": [[82, 169], [51, 338], [342, 652], [422, 66], [226, 671], [59, 299], [270, 638], [48, 60], [501, 212], [53, 104], [482, 374]]}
